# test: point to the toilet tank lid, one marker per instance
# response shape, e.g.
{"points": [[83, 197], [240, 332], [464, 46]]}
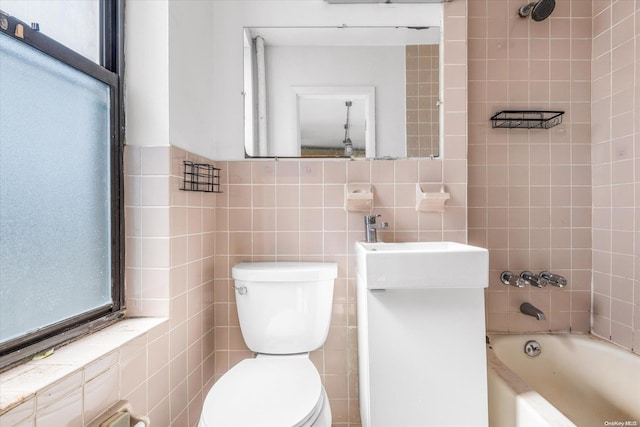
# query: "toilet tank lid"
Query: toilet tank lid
{"points": [[285, 271]]}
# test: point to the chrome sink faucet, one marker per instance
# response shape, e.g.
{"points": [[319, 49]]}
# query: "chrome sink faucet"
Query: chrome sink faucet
{"points": [[371, 227], [531, 310]]}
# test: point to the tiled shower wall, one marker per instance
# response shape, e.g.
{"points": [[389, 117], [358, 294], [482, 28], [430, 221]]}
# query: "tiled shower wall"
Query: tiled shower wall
{"points": [[530, 190], [615, 111]]}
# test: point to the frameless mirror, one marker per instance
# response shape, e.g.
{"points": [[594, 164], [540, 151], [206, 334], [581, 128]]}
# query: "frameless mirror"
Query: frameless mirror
{"points": [[341, 92], [333, 121]]}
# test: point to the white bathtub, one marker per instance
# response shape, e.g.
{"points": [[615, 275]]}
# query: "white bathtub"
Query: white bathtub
{"points": [[577, 380]]}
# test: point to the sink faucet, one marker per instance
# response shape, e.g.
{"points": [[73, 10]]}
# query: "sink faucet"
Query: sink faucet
{"points": [[531, 310], [371, 227]]}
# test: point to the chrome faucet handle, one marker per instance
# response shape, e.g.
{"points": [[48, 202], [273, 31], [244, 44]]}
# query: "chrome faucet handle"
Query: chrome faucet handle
{"points": [[533, 280], [371, 220], [508, 278], [371, 227], [552, 279]]}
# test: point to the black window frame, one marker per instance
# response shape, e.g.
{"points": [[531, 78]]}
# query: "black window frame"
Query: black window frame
{"points": [[111, 72]]}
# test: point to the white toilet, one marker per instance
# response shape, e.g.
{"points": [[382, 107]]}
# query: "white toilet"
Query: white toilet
{"points": [[285, 311]]}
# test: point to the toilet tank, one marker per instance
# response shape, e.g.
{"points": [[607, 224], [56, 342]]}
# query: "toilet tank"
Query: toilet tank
{"points": [[284, 307]]}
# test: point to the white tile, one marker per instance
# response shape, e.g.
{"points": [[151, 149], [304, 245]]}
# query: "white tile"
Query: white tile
{"points": [[43, 374], [155, 307], [21, 412], [155, 160], [138, 399], [69, 355], [100, 366], [65, 412], [154, 191], [22, 383], [158, 353], [133, 347], [29, 422], [100, 393], [158, 387], [14, 372], [156, 252], [155, 221], [57, 391], [133, 370]]}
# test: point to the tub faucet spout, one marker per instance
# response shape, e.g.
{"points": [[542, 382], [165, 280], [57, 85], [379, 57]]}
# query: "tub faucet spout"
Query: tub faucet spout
{"points": [[531, 310]]}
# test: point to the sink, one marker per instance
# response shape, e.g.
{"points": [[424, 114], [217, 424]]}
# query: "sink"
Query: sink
{"points": [[422, 265], [427, 299]]}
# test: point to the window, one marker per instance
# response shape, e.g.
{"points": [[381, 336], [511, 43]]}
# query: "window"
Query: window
{"points": [[75, 24], [61, 244]]}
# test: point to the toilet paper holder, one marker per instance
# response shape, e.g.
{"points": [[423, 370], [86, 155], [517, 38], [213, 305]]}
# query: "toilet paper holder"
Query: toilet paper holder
{"points": [[116, 415]]}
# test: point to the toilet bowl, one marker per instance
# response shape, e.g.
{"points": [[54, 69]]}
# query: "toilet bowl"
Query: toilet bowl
{"points": [[284, 311], [269, 391]]}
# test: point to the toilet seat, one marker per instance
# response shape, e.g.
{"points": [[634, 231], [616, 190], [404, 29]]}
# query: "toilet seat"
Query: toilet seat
{"points": [[265, 391]]}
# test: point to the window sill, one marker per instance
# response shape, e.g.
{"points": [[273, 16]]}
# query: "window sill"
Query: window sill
{"points": [[23, 382]]}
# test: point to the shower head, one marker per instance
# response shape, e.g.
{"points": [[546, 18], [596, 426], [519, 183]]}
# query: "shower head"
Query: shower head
{"points": [[539, 10]]}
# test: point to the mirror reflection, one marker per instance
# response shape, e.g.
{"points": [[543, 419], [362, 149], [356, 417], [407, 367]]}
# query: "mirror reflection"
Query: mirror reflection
{"points": [[334, 121], [342, 92], [319, 121]]}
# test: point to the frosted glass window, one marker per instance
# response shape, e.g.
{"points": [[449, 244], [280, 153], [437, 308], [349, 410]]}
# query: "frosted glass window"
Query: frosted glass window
{"points": [[55, 229], [76, 24]]}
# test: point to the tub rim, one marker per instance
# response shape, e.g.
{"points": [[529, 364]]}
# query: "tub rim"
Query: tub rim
{"points": [[584, 335]]}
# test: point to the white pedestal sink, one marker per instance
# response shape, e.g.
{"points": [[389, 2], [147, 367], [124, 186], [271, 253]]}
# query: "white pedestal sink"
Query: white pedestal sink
{"points": [[421, 334]]}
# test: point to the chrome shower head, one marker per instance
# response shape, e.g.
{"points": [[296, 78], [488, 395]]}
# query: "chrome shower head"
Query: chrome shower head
{"points": [[539, 10]]}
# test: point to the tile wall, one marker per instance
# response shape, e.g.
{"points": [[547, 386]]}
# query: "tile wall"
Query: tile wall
{"points": [[530, 190], [529, 202], [294, 210], [169, 273], [181, 246], [81, 380], [615, 111], [423, 114]]}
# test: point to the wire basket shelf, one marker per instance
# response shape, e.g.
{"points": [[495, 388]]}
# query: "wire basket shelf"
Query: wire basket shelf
{"points": [[201, 177], [526, 119]]}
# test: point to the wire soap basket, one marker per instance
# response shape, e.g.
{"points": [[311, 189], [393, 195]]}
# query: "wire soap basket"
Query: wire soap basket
{"points": [[201, 177], [526, 119]]}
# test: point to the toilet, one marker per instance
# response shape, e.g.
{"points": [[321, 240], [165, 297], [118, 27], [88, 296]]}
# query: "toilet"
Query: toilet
{"points": [[285, 311]]}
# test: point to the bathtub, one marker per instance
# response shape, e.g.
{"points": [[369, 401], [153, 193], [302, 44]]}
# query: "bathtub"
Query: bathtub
{"points": [[577, 380]]}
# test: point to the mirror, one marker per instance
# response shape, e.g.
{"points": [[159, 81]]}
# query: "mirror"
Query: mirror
{"points": [[334, 121], [341, 91]]}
